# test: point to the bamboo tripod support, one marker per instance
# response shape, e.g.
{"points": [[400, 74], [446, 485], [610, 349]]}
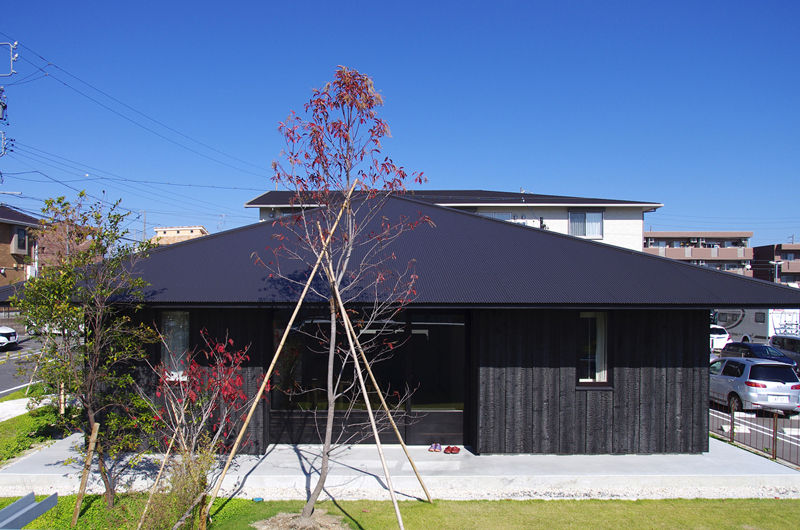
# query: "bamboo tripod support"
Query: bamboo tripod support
{"points": [[351, 331], [85, 475], [158, 479], [207, 508], [357, 366]]}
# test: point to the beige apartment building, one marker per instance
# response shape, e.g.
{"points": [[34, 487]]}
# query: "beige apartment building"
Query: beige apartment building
{"points": [[167, 235], [723, 251]]}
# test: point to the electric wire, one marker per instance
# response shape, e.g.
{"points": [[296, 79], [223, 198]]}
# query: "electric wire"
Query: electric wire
{"points": [[145, 127], [120, 177], [131, 187]]}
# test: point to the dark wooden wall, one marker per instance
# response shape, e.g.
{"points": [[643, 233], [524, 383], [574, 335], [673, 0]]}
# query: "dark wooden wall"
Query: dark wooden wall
{"points": [[528, 399], [251, 328]]}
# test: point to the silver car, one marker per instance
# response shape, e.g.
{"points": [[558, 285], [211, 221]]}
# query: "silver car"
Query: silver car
{"points": [[750, 384]]}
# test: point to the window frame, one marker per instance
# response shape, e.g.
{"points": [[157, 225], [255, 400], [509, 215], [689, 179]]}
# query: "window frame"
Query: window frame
{"points": [[602, 357], [585, 213], [167, 357]]}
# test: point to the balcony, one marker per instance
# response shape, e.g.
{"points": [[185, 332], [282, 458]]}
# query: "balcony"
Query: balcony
{"points": [[706, 254], [792, 266]]}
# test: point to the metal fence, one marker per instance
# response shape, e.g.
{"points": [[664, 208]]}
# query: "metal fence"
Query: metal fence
{"points": [[768, 432]]}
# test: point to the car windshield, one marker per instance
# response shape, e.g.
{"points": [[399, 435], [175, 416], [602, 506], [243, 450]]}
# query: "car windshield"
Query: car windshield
{"points": [[762, 350], [718, 331], [773, 372]]}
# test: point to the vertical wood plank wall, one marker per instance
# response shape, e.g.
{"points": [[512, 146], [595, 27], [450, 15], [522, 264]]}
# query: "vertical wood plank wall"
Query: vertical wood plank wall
{"points": [[528, 400]]}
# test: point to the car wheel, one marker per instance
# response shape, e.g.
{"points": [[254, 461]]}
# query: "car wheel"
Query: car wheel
{"points": [[734, 403], [745, 339]]}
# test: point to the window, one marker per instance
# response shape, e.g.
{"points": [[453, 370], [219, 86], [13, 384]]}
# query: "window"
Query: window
{"points": [[22, 239], [175, 330], [592, 358], [733, 369], [586, 224], [761, 317], [715, 368]]}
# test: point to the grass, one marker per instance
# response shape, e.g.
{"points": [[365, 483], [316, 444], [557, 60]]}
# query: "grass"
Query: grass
{"points": [[19, 434], [36, 390], [673, 513]]}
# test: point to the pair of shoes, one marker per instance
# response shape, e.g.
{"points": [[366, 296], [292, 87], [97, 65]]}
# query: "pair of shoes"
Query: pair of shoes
{"points": [[452, 450], [435, 447]]}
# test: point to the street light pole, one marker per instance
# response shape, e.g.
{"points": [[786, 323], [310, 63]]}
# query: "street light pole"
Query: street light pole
{"points": [[777, 263]]}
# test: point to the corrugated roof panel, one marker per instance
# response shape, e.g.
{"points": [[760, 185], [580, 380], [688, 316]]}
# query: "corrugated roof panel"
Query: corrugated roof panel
{"points": [[464, 259]]}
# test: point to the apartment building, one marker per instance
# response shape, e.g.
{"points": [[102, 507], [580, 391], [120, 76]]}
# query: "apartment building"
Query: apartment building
{"points": [[778, 263], [611, 221], [18, 251], [723, 251], [167, 235]]}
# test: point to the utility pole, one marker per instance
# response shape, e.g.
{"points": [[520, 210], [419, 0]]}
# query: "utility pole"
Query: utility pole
{"points": [[3, 105], [144, 226]]}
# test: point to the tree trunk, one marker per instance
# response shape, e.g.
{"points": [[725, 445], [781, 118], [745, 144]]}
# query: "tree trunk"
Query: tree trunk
{"points": [[101, 464], [308, 509]]}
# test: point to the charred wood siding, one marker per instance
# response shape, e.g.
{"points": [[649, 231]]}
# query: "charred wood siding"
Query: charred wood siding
{"points": [[529, 400], [248, 328]]}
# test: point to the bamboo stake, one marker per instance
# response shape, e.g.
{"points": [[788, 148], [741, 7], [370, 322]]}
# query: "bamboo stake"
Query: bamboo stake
{"points": [[207, 509], [85, 476], [158, 478], [367, 403], [351, 330]]}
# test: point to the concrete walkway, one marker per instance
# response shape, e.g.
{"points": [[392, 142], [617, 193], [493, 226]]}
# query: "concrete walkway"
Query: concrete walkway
{"points": [[13, 408], [288, 472]]}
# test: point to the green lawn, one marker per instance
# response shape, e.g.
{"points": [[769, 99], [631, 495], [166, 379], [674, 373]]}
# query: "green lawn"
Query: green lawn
{"points": [[679, 513], [23, 432]]}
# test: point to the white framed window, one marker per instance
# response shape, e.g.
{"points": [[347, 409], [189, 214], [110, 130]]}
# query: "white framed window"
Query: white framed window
{"points": [[586, 224], [175, 341], [592, 355]]}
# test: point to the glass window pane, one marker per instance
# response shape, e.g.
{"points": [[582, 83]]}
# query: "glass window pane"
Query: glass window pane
{"points": [[175, 331], [577, 224], [592, 360], [594, 224]]}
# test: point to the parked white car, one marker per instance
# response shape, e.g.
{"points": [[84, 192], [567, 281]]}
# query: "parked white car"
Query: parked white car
{"points": [[745, 383], [8, 337], [718, 337]]}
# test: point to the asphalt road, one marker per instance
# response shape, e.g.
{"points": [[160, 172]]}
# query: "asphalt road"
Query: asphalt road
{"points": [[760, 431], [13, 358]]}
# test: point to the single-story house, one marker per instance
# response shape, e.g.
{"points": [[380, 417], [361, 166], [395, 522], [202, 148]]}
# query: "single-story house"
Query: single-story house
{"points": [[519, 340]]}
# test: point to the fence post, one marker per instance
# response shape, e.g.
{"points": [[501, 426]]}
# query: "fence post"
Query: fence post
{"points": [[774, 434], [733, 426]]}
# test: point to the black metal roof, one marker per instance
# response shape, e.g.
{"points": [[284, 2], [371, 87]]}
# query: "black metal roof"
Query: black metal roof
{"points": [[15, 217], [465, 259], [468, 197]]}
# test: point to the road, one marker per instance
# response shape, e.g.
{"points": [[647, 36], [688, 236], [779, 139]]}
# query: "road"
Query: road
{"points": [[757, 431], [21, 355]]}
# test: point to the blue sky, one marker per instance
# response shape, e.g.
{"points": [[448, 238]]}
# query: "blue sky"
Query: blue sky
{"points": [[690, 104]]}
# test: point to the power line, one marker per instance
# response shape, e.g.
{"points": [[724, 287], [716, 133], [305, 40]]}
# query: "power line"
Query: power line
{"points": [[119, 177], [133, 109], [145, 127], [129, 187], [131, 120], [149, 195]]}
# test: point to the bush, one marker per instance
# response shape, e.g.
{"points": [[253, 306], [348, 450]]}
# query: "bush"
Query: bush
{"points": [[185, 483]]}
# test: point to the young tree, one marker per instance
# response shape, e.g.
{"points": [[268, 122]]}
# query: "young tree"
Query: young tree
{"points": [[195, 411], [336, 145], [82, 303]]}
